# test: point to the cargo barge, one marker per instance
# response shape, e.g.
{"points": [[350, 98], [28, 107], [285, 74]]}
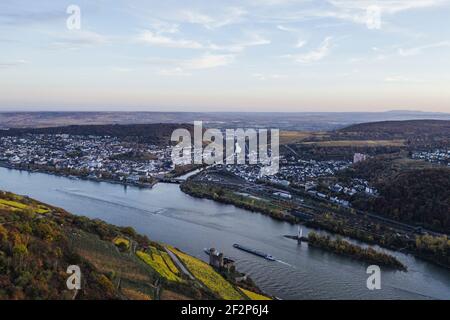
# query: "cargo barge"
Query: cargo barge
{"points": [[255, 252]]}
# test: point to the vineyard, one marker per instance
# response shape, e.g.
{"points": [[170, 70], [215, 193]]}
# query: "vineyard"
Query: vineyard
{"points": [[209, 277], [253, 296], [38, 242], [161, 263]]}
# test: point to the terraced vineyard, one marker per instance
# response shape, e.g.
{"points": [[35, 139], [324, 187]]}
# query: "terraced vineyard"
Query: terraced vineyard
{"points": [[16, 205], [119, 241], [209, 277], [161, 263], [253, 296], [32, 232]]}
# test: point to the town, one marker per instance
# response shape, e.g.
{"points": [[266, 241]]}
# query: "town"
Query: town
{"points": [[292, 170], [106, 158], [441, 157], [91, 157]]}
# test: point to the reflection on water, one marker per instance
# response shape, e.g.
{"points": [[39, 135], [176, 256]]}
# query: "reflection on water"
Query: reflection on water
{"points": [[166, 214]]}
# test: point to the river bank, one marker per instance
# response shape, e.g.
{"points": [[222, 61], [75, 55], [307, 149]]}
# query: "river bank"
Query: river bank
{"points": [[75, 175], [51, 235], [166, 214], [223, 196], [345, 248], [333, 224]]}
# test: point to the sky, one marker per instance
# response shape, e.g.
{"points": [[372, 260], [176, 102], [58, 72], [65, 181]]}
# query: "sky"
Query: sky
{"points": [[217, 55]]}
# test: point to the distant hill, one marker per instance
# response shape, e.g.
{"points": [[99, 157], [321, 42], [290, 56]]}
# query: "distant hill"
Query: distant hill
{"points": [[370, 138], [423, 134], [400, 128], [290, 121], [158, 134]]}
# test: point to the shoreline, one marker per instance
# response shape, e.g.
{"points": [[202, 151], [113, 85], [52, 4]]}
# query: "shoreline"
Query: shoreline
{"points": [[79, 233], [187, 190], [140, 185], [316, 225], [295, 221], [351, 251], [59, 174]]}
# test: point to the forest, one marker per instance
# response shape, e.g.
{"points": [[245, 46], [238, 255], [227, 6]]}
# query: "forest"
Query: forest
{"points": [[411, 191], [157, 134]]}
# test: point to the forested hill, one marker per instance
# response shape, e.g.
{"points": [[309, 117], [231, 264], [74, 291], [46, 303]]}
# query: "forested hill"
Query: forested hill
{"points": [[417, 134], [412, 191], [397, 129], [158, 134], [409, 127]]}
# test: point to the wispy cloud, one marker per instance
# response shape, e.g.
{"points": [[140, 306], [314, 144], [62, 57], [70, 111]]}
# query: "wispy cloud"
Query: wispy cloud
{"points": [[122, 69], [161, 27], [185, 67], [288, 29], [161, 40], [79, 38], [252, 40], [399, 78], [356, 11], [264, 77], [314, 55], [27, 17], [418, 50], [300, 43], [258, 46], [13, 63], [212, 21], [174, 72], [155, 39], [386, 6], [208, 61]]}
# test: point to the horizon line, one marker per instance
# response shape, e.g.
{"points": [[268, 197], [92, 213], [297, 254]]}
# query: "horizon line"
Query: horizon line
{"points": [[212, 112]]}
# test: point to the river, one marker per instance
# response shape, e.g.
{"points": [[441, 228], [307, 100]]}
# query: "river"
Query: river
{"points": [[167, 215]]}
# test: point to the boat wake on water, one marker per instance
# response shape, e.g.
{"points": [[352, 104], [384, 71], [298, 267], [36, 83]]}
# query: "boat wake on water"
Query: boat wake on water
{"points": [[261, 254], [286, 264], [123, 204]]}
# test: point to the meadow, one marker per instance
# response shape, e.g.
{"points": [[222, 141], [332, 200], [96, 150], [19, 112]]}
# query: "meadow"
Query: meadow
{"points": [[358, 143]]}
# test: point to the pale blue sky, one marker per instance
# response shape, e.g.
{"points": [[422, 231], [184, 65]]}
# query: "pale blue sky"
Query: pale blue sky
{"points": [[248, 55]]}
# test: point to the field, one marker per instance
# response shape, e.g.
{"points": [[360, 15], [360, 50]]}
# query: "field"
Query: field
{"points": [[134, 275], [253, 295], [119, 240], [291, 137], [161, 263], [358, 143], [208, 277], [14, 205], [35, 250]]}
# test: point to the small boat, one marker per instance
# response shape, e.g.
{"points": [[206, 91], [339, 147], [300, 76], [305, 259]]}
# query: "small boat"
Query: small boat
{"points": [[255, 252]]}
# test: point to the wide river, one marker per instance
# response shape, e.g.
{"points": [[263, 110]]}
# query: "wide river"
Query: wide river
{"points": [[166, 214]]}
